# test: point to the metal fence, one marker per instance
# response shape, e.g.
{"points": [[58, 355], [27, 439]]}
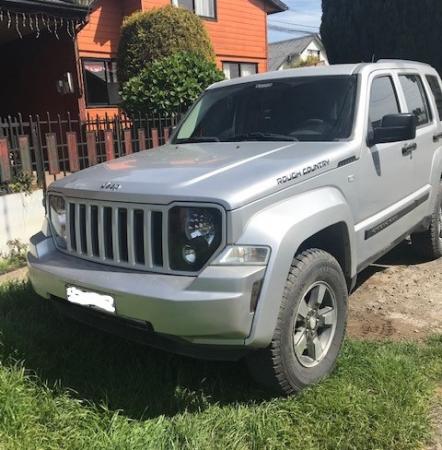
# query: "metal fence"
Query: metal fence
{"points": [[50, 146]]}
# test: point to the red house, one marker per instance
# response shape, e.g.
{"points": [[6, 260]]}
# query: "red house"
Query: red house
{"points": [[58, 56]]}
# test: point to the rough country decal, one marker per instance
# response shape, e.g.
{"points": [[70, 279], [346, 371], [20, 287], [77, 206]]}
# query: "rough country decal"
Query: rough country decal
{"points": [[305, 171]]}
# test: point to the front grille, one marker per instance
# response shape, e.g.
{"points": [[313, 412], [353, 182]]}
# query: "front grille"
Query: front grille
{"points": [[116, 233]]}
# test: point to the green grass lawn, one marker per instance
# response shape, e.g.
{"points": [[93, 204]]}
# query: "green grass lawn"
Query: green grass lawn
{"points": [[65, 386]]}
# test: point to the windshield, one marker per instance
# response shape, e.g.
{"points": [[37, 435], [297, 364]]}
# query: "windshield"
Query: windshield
{"points": [[317, 108]]}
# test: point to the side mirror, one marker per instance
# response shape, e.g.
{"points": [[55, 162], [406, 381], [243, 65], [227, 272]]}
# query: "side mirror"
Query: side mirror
{"points": [[394, 128]]}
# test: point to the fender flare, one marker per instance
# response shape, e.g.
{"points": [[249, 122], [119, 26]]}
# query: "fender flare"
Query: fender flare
{"points": [[284, 226]]}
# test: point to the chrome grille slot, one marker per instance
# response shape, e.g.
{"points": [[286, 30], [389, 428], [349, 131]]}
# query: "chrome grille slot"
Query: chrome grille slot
{"points": [[118, 234]]}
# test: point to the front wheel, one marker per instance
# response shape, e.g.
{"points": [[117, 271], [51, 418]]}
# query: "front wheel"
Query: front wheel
{"points": [[310, 328]]}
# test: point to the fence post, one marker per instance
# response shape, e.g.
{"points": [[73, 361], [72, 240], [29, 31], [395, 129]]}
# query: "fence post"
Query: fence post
{"points": [[128, 141], [25, 154], [91, 139], [109, 144], [74, 162], [54, 163], [141, 139], [5, 162], [41, 176], [155, 138]]}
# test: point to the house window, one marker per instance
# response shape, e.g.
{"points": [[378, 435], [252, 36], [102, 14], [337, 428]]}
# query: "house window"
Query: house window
{"points": [[314, 53], [239, 69], [203, 8], [101, 83]]}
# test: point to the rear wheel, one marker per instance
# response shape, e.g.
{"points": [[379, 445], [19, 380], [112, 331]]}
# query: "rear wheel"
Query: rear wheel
{"points": [[428, 244], [310, 328]]}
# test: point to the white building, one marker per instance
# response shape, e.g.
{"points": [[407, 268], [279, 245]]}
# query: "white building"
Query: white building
{"points": [[285, 54]]}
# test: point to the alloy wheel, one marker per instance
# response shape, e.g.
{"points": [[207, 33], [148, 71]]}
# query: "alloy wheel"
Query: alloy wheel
{"points": [[315, 324]]}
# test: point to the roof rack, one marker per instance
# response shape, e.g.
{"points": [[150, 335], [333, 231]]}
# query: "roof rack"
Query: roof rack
{"points": [[401, 61]]}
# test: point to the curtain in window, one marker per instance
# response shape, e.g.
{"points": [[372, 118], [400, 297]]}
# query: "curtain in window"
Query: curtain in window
{"points": [[248, 69], [205, 8]]}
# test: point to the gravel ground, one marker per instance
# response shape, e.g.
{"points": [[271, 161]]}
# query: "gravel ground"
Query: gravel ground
{"points": [[399, 298]]}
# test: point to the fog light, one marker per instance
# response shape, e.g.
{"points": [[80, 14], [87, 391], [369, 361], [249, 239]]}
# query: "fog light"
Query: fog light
{"points": [[189, 254]]}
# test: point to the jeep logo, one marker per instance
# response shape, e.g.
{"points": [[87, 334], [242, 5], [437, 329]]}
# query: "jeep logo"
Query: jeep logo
{"points": [[111, 187]]}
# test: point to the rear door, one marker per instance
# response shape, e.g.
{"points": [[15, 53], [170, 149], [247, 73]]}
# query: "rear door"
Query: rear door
{"points": [[417, 101]]}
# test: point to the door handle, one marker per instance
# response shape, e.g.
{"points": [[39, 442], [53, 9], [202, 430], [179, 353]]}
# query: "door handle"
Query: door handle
{"points": [[437, 137], [409, 149]]}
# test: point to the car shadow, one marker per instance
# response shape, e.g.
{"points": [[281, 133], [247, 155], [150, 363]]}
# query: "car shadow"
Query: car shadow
{"points": [[401, 255], [102, 369]]}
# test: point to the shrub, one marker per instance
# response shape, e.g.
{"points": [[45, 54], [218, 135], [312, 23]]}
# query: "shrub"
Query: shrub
{"points": [[169, 85], [157, 33], [309, 61]]}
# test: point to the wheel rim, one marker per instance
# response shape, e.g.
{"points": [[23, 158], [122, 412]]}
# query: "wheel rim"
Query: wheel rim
{"points": [[315, 324]]}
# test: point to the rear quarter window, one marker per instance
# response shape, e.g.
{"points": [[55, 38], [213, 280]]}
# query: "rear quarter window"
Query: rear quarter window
{"points": [[416, 98]]}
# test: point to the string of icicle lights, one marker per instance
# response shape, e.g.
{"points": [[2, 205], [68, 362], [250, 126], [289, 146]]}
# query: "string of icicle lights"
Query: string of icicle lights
{"points": [[38, 22]]}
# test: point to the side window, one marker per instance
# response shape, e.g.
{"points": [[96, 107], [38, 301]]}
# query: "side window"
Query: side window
{"points": [[416, 98], [433, 81], [383, 100]]}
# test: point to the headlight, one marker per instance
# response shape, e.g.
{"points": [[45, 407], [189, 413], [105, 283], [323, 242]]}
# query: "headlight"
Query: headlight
{"points": [[57, 218], [194, 235], [243, 255]]}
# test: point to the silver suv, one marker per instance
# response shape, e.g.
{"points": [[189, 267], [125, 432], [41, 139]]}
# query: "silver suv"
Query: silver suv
{"points": [[244, 235]]}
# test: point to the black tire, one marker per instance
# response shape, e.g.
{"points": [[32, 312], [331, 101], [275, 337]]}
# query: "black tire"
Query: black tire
{"points": [[428, 245], [279, 366]]}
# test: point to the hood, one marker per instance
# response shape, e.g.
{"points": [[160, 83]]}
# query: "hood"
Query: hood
{"points": [[230, 174]]}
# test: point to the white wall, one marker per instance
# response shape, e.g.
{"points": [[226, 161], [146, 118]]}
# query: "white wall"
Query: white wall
{"points": [[21, 216], [315, 47]]}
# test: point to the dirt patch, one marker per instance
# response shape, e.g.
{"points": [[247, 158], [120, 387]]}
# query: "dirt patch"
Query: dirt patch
{"points": [[399, 298], [20, 274]]}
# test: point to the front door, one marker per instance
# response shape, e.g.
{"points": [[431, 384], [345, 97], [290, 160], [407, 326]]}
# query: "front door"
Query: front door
{"points": [[387, 176]]}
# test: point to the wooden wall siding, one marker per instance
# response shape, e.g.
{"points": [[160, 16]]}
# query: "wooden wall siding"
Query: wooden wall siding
{"points": [[238, 34], [240, 30], [101, 35]]}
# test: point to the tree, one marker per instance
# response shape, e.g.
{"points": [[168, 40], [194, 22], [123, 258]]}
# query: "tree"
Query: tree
{"points": [[169, 85], [157, 33], [361, 30]]}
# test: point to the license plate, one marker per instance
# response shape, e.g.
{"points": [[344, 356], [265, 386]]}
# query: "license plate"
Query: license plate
{"points": [[90, 299]]}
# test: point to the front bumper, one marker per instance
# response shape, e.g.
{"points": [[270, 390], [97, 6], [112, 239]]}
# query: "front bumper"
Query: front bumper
{"points": [[211, 309]]}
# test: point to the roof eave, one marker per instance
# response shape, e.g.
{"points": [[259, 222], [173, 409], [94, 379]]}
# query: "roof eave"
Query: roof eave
{"points": [[276, 6], [45, 6]]}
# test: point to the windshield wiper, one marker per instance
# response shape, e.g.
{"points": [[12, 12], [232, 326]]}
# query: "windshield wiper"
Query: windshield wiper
{"points": [[197, 139], [260, 136]]}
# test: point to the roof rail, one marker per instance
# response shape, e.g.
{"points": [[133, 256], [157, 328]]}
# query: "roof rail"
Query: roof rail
{"points": [[402, 61]]}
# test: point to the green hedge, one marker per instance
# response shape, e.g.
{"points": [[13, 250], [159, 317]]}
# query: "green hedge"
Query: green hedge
{"points": [[169, 85], [157, 33]]}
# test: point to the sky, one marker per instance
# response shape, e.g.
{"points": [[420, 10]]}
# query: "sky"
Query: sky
{"points": [[303, 15]]}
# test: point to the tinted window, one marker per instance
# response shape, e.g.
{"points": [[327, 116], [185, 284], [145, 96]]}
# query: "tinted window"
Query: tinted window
{"points": [[317, 108], [383, 100], [416, 98], [437, 92]]}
